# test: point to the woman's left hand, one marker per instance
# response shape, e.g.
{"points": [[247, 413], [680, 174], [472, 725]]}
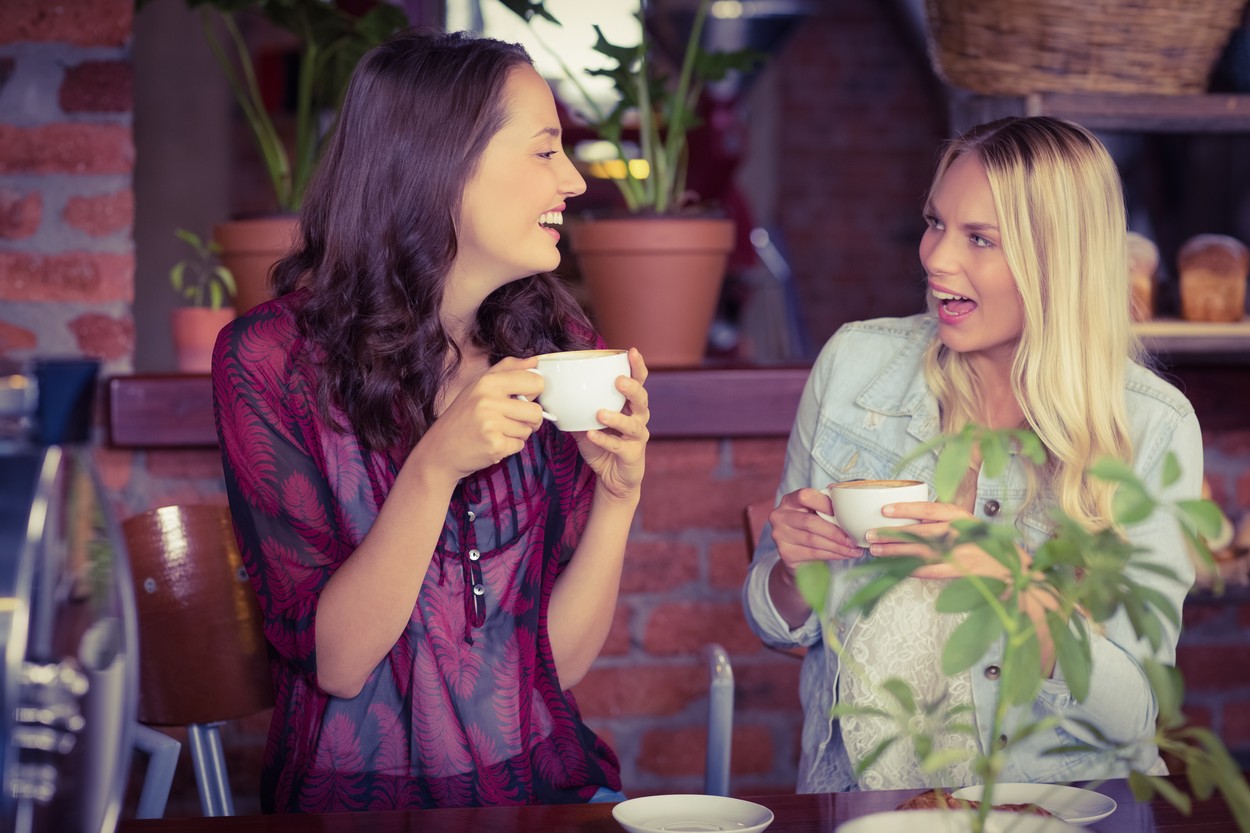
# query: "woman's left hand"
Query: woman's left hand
{"points": [[934, 522], [617, 454]]}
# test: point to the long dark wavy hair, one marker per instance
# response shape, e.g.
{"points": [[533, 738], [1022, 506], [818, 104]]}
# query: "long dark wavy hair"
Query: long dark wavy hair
{"points": [[378, 238]]}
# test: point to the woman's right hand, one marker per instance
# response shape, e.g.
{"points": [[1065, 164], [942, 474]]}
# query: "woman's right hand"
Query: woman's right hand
{"points": [[486, 422], [801, 535]]}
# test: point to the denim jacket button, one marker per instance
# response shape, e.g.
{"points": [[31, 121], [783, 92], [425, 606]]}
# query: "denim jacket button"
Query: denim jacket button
{"points": [[992, 672], [992, 507], [1001, 742]]}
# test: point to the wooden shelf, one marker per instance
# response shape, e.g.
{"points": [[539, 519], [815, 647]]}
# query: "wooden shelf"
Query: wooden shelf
{"points": [[1216, 113], [1174, 336]]}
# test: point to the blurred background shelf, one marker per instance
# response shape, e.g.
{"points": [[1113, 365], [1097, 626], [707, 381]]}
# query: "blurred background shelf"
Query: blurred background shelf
{"points": [[1173, 336]]}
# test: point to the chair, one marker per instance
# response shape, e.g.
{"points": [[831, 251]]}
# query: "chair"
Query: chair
{"points": [[203, 659]]}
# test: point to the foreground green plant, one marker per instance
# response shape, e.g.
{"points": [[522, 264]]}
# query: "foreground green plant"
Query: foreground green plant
{"points": [[1083, 572]]}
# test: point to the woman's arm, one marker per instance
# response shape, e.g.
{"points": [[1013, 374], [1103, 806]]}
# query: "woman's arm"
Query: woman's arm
{"points": [[583, 600]]}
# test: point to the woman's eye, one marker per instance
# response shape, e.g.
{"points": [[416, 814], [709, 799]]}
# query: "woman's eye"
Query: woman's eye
{"points": [[933, 222], [548, 154], [979, 241]]}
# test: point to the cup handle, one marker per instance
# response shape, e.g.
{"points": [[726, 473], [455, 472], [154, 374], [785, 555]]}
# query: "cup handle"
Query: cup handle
{"points": [[546, 416]]}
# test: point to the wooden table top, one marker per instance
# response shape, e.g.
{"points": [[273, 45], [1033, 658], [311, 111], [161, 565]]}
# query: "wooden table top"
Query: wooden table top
{"points": [[793, 814]]}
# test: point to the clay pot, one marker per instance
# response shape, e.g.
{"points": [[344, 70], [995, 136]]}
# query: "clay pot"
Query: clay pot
{"points": [[653, 282], [250, 248], [195, 331]]}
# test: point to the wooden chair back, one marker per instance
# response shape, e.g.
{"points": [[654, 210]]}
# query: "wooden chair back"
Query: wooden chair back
{"points": [[202, 653], [754, 517]]}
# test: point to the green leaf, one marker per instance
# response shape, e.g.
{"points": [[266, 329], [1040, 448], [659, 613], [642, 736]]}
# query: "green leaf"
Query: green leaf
{"points": [[995, 454], [970, 640], [1169, 690], [812, 579], [177, 274], [1142, 785], [1132, 504], [1204, 515], [1022, 670], [1031, 447], [1171, 793], [902, 693], [1171, 469], [962, 595], [943, 758], [876, 752], [1072, 652], [952, 464], [1117, 471]]}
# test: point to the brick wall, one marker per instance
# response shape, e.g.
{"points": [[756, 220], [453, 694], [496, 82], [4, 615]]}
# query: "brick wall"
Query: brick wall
{"points": [[66, 158]]}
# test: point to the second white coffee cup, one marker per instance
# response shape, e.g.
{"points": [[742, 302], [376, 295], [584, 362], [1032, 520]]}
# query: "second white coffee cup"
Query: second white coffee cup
{"points": [[578, 383], [857, 504]]}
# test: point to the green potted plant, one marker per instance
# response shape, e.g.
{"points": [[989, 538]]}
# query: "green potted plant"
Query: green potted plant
{"points": [[206, 288], [654, 274], [1083, 572], [331, 41]]}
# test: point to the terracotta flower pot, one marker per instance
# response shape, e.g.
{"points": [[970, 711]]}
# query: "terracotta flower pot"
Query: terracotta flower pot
{"points": [[250, 248], [653, 282], [195, 331]]}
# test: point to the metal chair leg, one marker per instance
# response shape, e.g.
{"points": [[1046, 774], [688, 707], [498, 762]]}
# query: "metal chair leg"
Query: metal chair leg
{"points": [[209, 760], [720, 712], [162, 752]]}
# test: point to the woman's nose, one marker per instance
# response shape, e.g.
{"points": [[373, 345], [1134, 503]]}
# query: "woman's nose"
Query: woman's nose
{"points": [[571, 182], [935, 252]]}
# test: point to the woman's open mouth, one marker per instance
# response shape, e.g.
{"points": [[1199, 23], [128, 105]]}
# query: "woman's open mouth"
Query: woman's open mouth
{"points": [[951, 306]]}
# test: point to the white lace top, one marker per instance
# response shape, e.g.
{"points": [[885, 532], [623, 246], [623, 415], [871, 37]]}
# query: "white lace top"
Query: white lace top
{"points": [[903, 638]]}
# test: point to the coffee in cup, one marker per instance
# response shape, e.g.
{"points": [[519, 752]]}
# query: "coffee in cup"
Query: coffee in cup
{"points": [[857, 504], [580, 383]]}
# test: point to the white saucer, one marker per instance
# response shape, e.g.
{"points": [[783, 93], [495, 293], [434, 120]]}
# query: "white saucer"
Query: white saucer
{"points": [[1072, 804], [691, 814]]}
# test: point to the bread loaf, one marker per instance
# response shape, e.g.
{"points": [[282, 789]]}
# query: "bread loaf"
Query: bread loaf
{"points": [[1213, 270], [1143, 270]]}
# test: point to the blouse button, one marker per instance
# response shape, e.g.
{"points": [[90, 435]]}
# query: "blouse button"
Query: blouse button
{"points": [[472, 516], [474, 555], [479, 590], [991, 508], [992, 672]]}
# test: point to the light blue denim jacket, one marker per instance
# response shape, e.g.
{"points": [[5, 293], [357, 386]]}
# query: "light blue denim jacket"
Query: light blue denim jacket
{"points": [[864, 408]]}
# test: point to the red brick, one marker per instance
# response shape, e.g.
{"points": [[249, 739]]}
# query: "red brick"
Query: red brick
{"points": [[760, 455], [677, 502], [1196, 617], [116, 467], [1197, 715], [190, 464], [687, 627], [79, 22], [66, 148], [683, 751], [103, 214], [1214, 667], [19, 213], [771, 685], [727, 564], [658, 565], [6, 69], [639, 689], [98, 87], [1236, 724], [683, 456], [14, 338], [70, 276], [103, 336]]}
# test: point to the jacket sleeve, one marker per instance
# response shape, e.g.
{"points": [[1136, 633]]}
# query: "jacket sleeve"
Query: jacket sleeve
{"points": [[1120, 701]]}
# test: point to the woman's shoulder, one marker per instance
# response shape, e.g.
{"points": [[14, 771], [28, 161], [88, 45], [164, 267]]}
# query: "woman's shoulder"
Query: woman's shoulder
{"points": [[261, 343], [1147, 390], [878, 341]]}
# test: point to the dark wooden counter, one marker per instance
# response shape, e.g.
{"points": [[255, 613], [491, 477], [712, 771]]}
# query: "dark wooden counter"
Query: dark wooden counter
{"points": [[793, 814], [176, 411]]}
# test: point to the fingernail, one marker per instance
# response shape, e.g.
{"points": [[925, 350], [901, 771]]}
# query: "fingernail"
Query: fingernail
{"points": [[871, 535], [888, 509], [874, 550]]}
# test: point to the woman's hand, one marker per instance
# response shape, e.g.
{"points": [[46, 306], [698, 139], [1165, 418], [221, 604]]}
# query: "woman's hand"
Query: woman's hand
{"points": [[934, 522], [802, 535], [617, 453], [486, 421]]}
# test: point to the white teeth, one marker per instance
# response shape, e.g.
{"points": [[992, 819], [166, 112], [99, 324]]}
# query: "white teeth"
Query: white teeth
{"points": [[552, 218], [946, 296]]}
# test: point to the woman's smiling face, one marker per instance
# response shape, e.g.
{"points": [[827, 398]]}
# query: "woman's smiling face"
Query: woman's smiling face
{"points": [[971, 286], [518, 190]]}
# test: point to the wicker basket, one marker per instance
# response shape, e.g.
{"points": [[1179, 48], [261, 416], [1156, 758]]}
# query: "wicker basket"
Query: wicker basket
{"points": [[1015, 47]]}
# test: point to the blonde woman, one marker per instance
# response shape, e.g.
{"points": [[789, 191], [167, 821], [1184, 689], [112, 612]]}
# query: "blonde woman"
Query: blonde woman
{"points": [[1028, 326]]}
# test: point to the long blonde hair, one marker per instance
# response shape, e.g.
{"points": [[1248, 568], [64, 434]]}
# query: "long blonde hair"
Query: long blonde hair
{"points": [[1061, 214]]}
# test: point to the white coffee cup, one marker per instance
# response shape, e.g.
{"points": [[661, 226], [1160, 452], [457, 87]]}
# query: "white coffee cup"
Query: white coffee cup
{"points": [[857, 504], [580, 383]]}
